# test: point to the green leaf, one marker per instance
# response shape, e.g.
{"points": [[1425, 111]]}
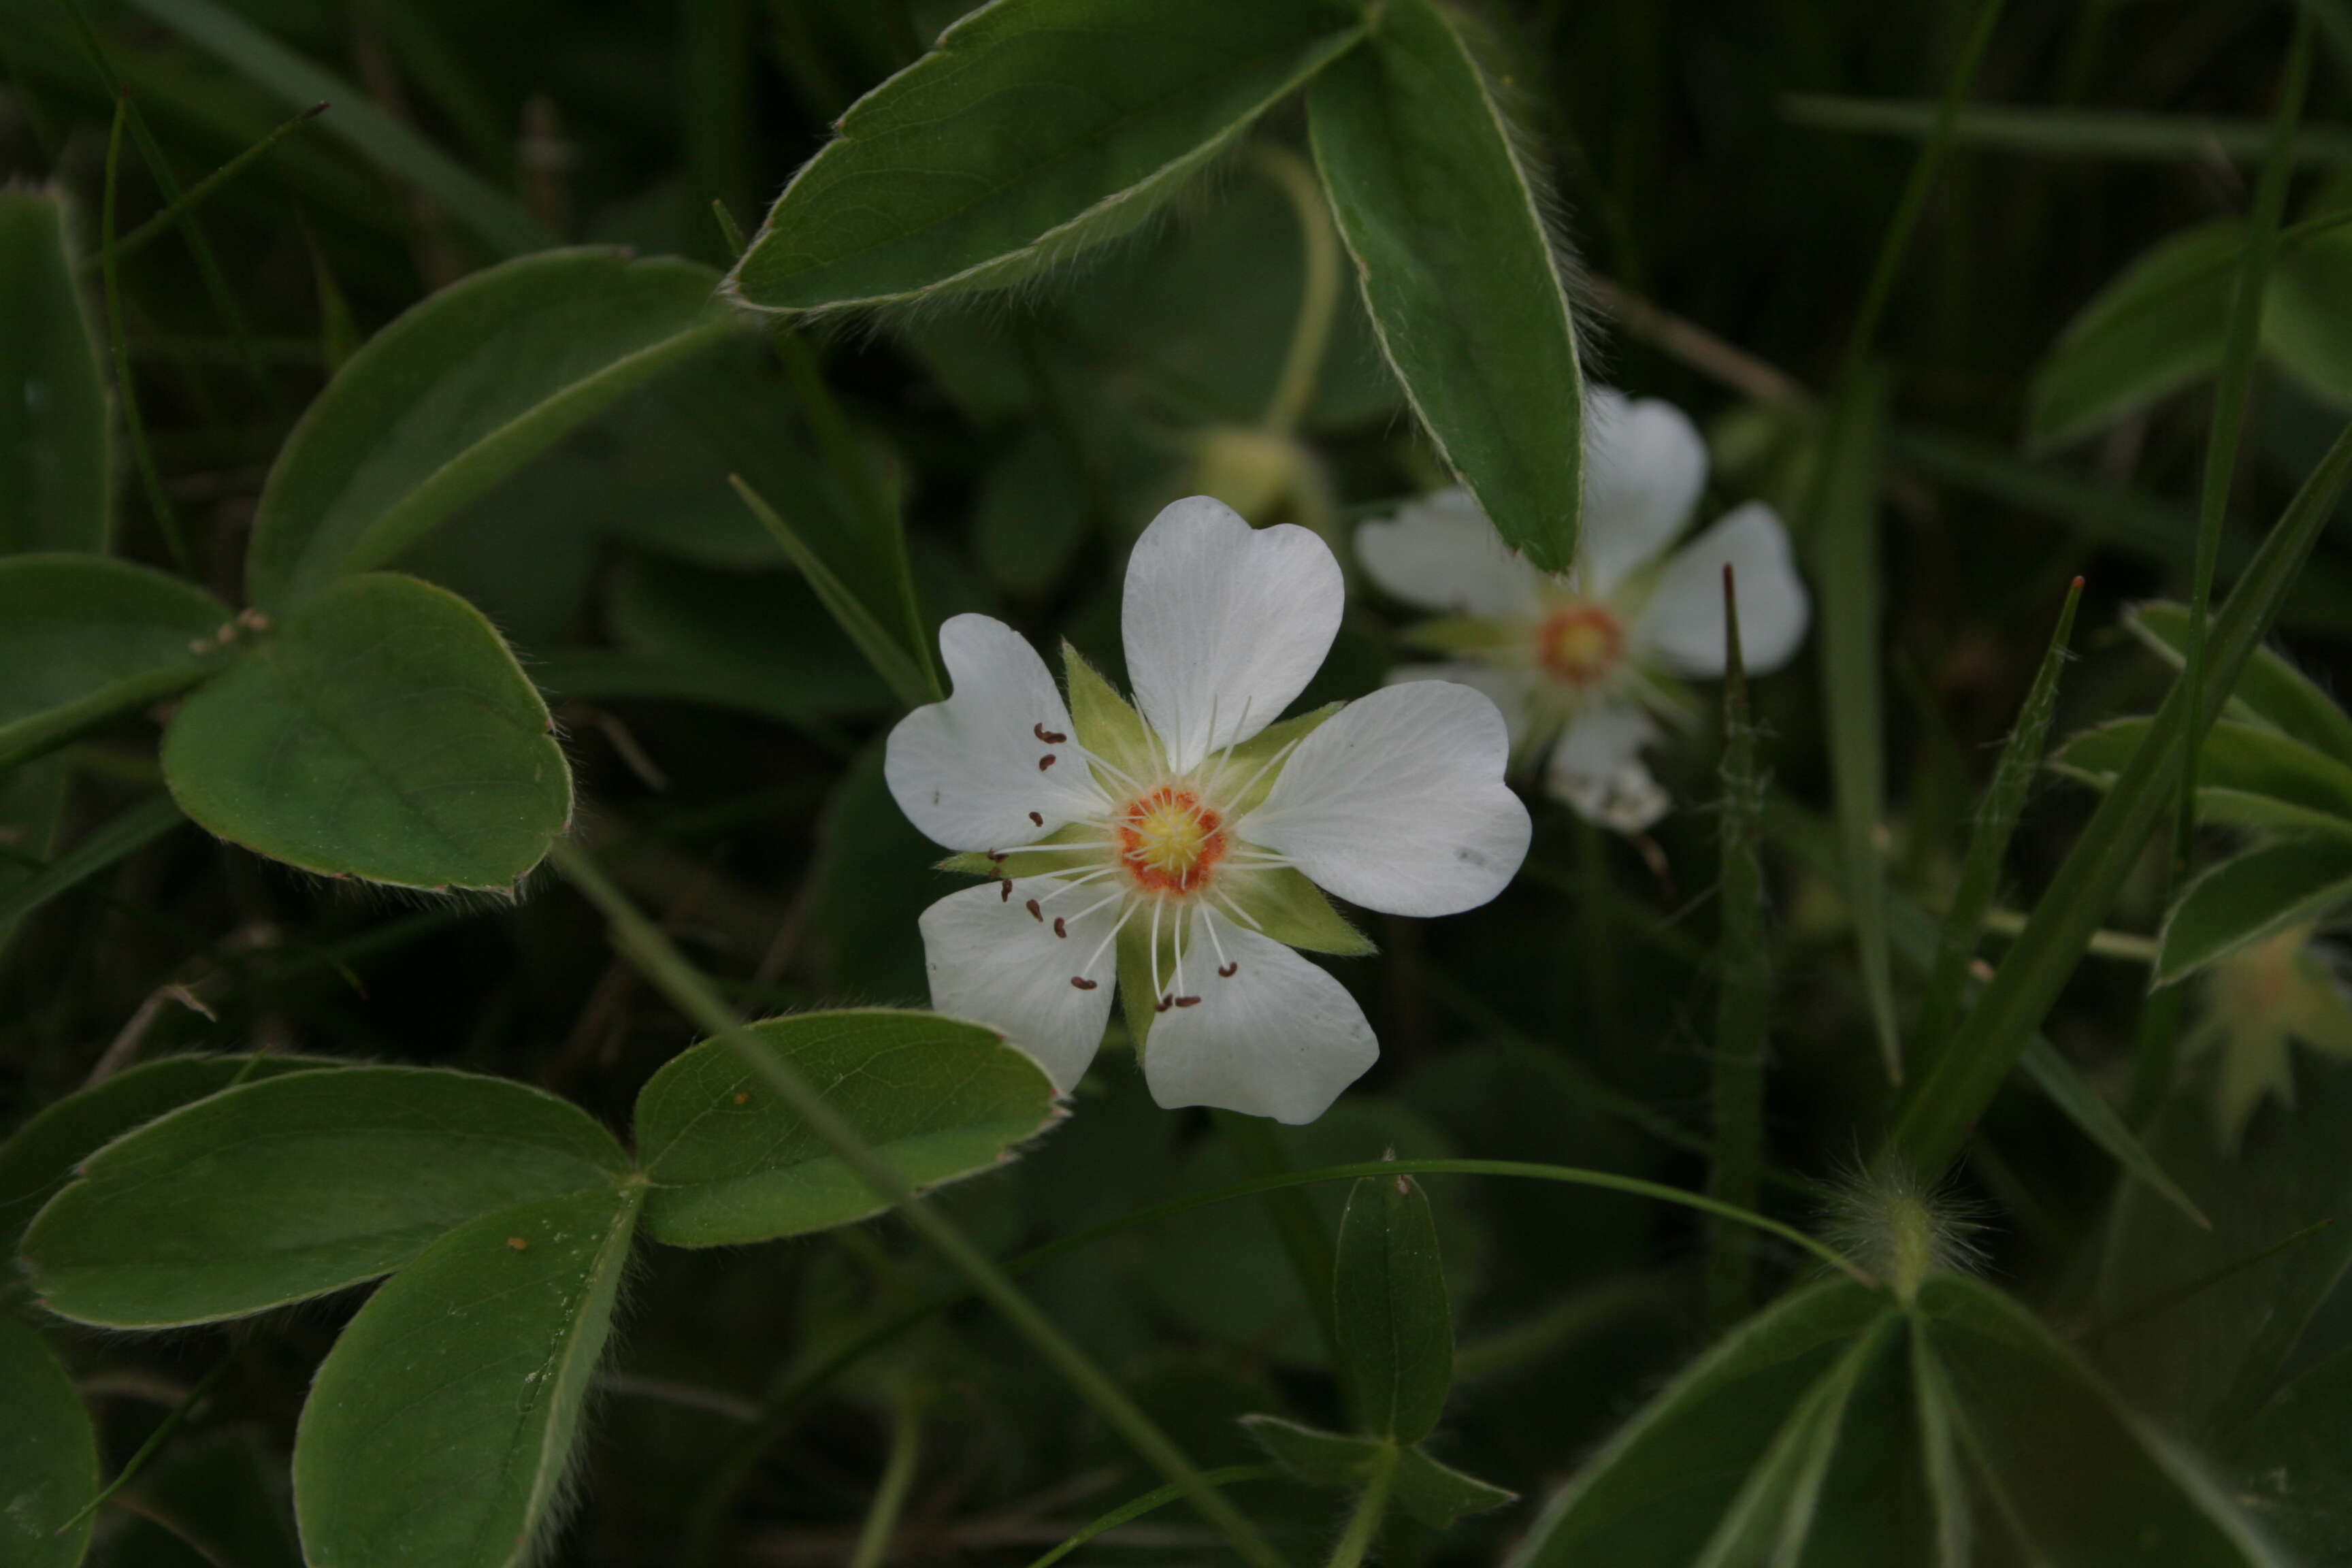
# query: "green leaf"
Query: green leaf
{"points": [[2293, 1461], [2155, 328], [1439, 1495], [2270, 691], [2259, 894], [371, 131], [384, 732], [2307, 315], [938, 1098], [1332, 1460], [2088, 1110], [1457, 270], [1940, 1105], [48, 1455], [223, 1492], [1395, 1328], [39, 1159], [2247, 776], [891, 659], [1033, 128], [297, 1185], [458, 392], [54, 467], [440, 1428], [2069, 1468], [83, 638], [1651, 1498]]}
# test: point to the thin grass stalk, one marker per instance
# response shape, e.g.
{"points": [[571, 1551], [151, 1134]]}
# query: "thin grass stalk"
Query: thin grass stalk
{"points": [[1743, 994]]}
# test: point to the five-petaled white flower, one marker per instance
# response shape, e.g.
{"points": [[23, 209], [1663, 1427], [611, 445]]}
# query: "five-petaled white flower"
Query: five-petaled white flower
{"points": [[1178, 851], [1582, 664]]}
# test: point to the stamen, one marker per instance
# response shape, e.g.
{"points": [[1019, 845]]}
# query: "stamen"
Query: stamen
{"points": [[1215, 787], [998, 855], [1121, 774], [1227, 971], [1044, 762], [1005, 896], [1163, 1005], [1083, 983], [1188, 1001], [1048, 736], [1064, 885], [1038, 818], [1156, 904], [1059, 929], [1035, 913], [1209, 923]]}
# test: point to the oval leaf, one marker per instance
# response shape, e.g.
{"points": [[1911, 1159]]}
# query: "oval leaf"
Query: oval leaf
{"points": [[48, 1455], [383, 733], [1464, 288], [39, 1157], [439, 1428], [299, 1185], [2259, 894], [2153, 330], [458, 394], [83, 638], [54, 465], [1652, 1497], [1387, 1291], [1033, 128], [938, 1098]]}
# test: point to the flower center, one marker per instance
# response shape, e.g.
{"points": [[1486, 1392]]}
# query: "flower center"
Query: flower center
{"points": [[1580, 644], [1168, 840]]}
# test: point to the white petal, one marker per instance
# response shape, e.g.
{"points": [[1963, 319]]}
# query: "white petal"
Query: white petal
{"points": [[1278, 1038], [1225, 624], [1684, 620], [1645, 466], [1511, 688], [965, 771], [1596, 768], [992, 961], [1398, 803], [1442, 553]]}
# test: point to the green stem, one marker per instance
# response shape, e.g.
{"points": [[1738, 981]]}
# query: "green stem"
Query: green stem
{"points": [[1318, 298], [1136, 1509], [163, 222], [167, 521], [1743, 997], [644, 945], [1371, 1512], [2153, 1065], [898, 1480]]}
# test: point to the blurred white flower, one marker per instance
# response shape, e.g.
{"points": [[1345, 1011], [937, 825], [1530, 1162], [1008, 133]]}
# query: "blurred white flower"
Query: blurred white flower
{"points": [[1178, 851], [1584, 664], [2259, 1001]]}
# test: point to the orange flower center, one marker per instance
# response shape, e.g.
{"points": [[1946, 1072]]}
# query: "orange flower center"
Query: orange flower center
{"points": [[1168, 841], [1580, 644]]}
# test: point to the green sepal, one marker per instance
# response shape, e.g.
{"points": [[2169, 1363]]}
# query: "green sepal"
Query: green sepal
{"points": [[1457, 634], [1296, 913], [1136, 999], [1437, 1494], [1025, 861], [1108, 724], [1311, 1455]]}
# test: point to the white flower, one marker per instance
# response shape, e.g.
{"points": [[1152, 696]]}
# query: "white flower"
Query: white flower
{"points": [[1582, 664], [1178, 851]]}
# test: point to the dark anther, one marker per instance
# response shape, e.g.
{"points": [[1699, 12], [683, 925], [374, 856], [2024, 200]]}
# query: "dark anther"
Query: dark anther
{"points": [[1049, 736], [1035, 913], [1082, 982], [1226, 971], [1005, 895], [1163, 1005], [1059, 929], [1188, 1001], [1044, 762], [996, 856], [1038, 818]]}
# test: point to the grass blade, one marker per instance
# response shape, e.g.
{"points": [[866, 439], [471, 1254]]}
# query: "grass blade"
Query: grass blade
{"points": [[490, 215], [882, 650], [1136, 1509], [134, 830], [2005, 799], [2071, 133], [1942, 1104], [1744, 991], [163, 222], [167, 521]]}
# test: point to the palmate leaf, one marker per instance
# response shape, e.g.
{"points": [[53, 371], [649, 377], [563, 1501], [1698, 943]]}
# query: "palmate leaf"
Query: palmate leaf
{"points": [[1458, 273], [2256, 895], [1033, 128], [54, 467], [729, 1162], [440, 1427], [293, 1186], [457, 394], [383, 731], [1839, 1427]]}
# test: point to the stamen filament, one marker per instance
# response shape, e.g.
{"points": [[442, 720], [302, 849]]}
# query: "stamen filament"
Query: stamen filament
{"points": [[1108, 937]]}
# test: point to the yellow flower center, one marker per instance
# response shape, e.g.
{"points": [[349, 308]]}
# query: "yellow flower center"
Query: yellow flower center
{"points": [[1168, 840], [1580, 644]]}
